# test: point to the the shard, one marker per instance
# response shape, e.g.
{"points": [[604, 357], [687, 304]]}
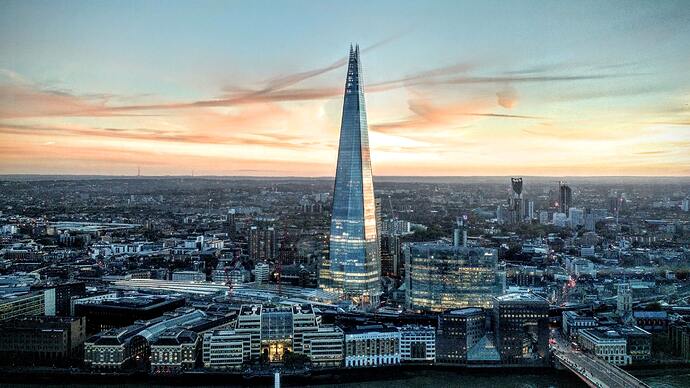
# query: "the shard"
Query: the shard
{"points": [[354, 264]]}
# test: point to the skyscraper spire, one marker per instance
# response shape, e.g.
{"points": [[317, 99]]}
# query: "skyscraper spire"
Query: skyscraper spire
{"points": [[354, 264]]}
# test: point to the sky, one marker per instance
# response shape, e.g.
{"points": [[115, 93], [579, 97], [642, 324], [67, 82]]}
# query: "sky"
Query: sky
{"points": [[552, 88]]}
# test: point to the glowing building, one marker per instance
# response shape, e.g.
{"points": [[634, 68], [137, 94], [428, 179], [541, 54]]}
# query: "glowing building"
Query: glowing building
{"points": [[441, 277], [354, 265]]}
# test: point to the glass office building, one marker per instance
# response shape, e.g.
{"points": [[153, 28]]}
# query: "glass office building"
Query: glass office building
{"points": [[441, 277], [354, 265]]}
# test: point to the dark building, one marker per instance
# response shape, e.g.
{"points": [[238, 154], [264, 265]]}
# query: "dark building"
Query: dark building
{"points": [[458, 331], [262, 243], [124, 311], [521, 326], [64, 294], [42, 340], [565, 197], [679, 338], [390, 255], [517, 203]]}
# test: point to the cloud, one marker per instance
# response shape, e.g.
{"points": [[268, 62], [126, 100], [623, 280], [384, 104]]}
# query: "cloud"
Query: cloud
{"points": [[427, 115], [507, 97]]}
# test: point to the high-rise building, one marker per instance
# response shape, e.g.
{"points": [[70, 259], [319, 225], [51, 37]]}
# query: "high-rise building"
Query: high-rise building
{"points": [[440, 277], [354, 266], [262, 243], [565, 197], [517, 207]]}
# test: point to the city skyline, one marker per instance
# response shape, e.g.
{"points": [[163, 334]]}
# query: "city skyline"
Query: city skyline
{"points": [[455, 89]]}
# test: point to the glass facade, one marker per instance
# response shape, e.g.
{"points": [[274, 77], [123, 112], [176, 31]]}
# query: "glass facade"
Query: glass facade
{"points": [[354, 266], [443, 277]]}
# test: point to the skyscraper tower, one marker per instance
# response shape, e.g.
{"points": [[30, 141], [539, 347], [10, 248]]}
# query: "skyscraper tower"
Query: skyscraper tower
{"points": [[517, 208], [354, 264], [565, 197]]}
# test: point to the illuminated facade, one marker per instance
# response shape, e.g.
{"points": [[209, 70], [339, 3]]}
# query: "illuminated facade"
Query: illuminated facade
{"points": [[354, 265], [269, 333], [442, 277]]}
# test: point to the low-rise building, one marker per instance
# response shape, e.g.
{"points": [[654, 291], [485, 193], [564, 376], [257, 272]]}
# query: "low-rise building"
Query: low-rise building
{"points": [[226, 349], [372, 345], [418, 344], [188, 276], [174, 350], [41, 340], [610, 345], [574, 321], [324, 347]]}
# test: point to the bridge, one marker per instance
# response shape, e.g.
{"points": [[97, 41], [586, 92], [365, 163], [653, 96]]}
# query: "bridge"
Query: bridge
{"points": [[594, 371]]}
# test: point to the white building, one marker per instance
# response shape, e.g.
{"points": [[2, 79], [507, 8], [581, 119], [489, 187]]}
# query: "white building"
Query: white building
{"points": [[261, 271], [226, 349], [417, 344], [324, 347], [609, 345], [372, 345]]}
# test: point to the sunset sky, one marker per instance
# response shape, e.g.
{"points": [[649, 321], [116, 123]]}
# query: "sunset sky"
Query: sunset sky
{"points": [[255, 87]]}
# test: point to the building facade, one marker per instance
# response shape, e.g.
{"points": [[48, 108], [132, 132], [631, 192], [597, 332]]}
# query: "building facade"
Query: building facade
{"points": [[521, 326], [372, 345], [354, 265], [607, 344], [41, 340], [418, 344], [441, 277], [458, 331]]}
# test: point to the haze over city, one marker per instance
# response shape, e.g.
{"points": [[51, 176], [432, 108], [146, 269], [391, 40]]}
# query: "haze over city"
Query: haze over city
{"points": [[254, 88]]}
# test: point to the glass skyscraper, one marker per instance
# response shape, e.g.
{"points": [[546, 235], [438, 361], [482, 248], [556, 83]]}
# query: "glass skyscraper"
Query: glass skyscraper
{"points": [[354, 264]]}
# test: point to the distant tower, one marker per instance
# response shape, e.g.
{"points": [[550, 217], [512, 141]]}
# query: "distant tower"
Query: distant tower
{"points": [[517, 209], [624, 299], [565, 197], [460, 232], [354, 265]]}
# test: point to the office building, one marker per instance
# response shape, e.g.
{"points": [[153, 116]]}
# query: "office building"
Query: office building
{"points": [[391, 264], [565, 197], [516, 206], [175, 350], [606, 344], [23, 304], [113, 311], [521, 326], [354, 264], [261, 272], [418, 344], [41, 340], [372, 345], [574, 321], [268, 333], [458, 331], [325, 346], [263, 244], [441, 277]]}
